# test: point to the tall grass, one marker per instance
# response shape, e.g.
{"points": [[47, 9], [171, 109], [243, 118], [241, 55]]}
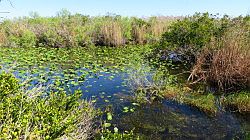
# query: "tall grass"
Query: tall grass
{"points": [[66, 30], [111, 34]]}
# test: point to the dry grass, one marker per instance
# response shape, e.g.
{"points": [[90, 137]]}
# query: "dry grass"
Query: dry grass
{"points": [[139, 34], [112, 34], [225, 63], [3, 38], [159, 26]]}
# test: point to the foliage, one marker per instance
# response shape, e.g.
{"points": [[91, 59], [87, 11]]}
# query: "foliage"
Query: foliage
{"points": [[225, 63], [191, 31], [31, 115], [189, 35], [25, 39]]}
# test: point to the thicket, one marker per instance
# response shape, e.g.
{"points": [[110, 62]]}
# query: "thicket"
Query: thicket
{"points": [[218, 47], [67, 30]]}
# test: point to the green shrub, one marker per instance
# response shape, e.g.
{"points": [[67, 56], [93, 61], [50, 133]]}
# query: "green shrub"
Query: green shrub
{"points": [[50, 38], [57, 37], [190, 33], [28, 115]]}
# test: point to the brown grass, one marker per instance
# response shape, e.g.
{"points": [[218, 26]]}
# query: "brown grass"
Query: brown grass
{"points": [[159, 26], [111, 34], [225, 63], [3, 38], [139, 34]]}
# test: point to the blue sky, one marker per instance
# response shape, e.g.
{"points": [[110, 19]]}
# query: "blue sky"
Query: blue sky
{"points": [[138, 8]]}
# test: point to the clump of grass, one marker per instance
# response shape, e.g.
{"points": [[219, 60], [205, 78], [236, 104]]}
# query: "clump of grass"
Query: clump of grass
{"points": [[174, 93], [240, 101], [158, 26], [3, 37], [145, 88], [139, 34], [205, 103], [111, 34]]}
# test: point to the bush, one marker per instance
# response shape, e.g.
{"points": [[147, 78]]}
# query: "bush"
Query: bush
{"points": [[30, 115], [57, 37], [25, 39], [191, 34]]}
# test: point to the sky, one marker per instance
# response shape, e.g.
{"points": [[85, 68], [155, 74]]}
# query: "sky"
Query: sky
{"points": [[139, 8]]}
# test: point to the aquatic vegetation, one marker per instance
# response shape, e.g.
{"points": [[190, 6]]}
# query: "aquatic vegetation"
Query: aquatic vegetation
{"points": [[109, 135], [185, 95]]}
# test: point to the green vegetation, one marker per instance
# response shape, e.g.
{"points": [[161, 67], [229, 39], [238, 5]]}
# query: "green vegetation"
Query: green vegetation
{"points": [[32, 114], [108, 135], [73, 56], [239, 101]]}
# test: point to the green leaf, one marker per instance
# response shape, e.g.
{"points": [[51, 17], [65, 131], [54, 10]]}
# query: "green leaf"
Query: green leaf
{"points": [[116, 130], [107, 124], [109, 116]]}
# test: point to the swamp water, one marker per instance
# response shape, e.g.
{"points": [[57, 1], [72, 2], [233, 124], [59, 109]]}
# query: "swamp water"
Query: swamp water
{"points": [[104, 80]]}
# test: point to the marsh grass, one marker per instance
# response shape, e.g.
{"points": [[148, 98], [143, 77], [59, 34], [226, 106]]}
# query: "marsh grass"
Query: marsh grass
{"points": [[78, 30], [139, 34], [204, 102]]}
